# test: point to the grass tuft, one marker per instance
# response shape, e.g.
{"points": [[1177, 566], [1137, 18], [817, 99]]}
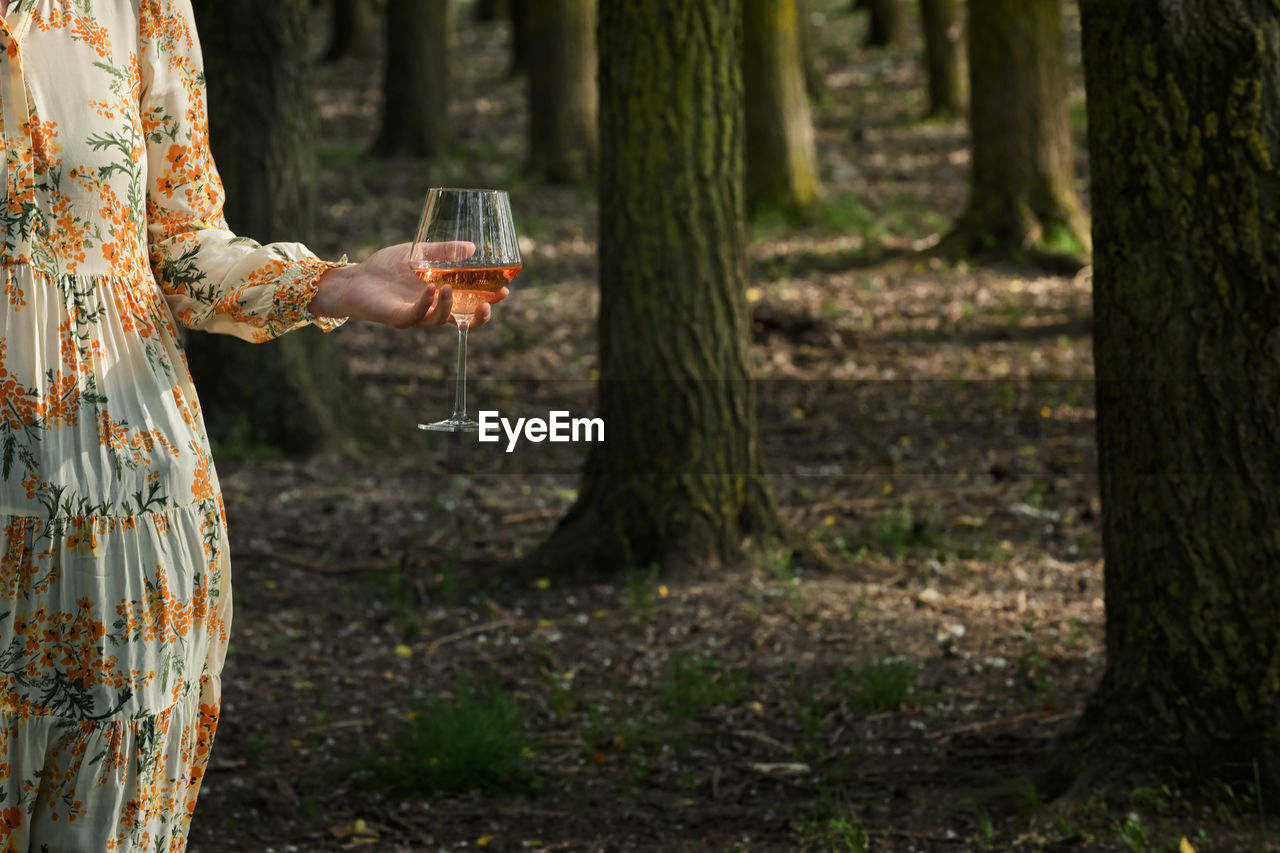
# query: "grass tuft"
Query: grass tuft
{"points": [[477, 740], [692, 684], [879, 686]]}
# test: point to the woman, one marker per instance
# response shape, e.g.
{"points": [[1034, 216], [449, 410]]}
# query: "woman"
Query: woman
{"points": [[115, 595]]}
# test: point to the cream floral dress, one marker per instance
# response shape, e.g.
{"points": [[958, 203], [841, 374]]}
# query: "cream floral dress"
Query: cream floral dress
{"points": [[115, 595]]}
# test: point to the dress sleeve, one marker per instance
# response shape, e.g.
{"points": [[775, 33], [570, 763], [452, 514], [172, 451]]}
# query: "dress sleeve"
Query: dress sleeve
{"points": [[212, 279]]}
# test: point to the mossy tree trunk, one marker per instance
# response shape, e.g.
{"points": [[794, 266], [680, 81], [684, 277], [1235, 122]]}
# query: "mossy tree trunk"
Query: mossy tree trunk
{"points": [[942, 22], [1184, 127], [562, 90], [782, 162], [353, 30], [815, 84], [679, 480], [1022, 188], [416, 79], [295, 393]]}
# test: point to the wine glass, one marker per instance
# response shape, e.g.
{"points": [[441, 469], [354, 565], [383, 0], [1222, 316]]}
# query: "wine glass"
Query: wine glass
{"points": [[466, 240]]}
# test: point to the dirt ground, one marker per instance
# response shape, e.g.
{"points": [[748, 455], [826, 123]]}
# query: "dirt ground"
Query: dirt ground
{"points": [[930, 424]]}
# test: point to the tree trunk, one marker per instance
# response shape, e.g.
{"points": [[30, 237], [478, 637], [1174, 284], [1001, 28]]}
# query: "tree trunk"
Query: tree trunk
{"points": [[886, 23], [562, 90], [416, 78], [488, 11], [1183, 125], [295, 393], [679, 480], [782, 162], [518, 12], [353, 30], [815, 85], [943, 24], [1022, 189]]}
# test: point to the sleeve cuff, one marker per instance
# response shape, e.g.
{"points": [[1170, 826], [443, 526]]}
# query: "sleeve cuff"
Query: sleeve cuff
{"points": [[293, 297]]}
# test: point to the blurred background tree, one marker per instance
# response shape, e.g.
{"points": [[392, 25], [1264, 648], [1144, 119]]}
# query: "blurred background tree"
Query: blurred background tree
{"points": [[781, 159], [561, 74], [353, 30], [1022, 196], [886, 22], [815, 82], [942, 22], [415, 80], [488, 11], [296, 393], [518, 17]]}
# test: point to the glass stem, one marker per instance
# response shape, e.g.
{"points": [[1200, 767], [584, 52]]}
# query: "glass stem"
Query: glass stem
{"points": [[460, 396]]}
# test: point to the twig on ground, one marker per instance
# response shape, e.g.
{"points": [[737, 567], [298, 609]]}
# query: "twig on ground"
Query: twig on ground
{"points": [[981, 725], [763, 738], [469, 632]]}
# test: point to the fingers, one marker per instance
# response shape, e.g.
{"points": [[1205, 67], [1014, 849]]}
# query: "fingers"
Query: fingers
{"points": [[419, 309], [450, 251], [439, 310]]}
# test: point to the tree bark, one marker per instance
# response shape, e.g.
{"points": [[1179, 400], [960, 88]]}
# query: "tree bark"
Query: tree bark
{"points": [[886, 22], [518, 12], [679, 480], [416, 78], [782, 161], [488, 11], [295, 393], [815, 85], [353, 30], [1022, 188], [943, 24], [562, 90], [1183, 130]]}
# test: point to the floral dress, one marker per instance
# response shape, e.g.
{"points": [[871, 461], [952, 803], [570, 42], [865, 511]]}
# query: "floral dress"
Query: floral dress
{"points": [[115, 595]]}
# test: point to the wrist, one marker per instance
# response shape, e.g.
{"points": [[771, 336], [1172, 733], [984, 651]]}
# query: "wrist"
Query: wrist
{"points": [[331, 292]]}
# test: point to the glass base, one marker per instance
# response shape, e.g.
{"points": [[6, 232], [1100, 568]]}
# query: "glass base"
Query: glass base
{"points": [[454, 424]]}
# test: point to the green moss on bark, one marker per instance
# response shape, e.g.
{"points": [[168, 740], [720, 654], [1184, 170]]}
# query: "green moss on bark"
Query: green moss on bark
{"points": [[781, 159], [1186, 296], [679, 480], [1023, 179]]}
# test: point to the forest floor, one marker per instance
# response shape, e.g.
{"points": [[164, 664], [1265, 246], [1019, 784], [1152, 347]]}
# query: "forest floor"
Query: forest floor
{"points": [[930, 424]]}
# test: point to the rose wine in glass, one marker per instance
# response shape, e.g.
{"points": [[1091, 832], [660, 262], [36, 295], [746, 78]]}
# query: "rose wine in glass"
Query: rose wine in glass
{"points": [[466, 240]]}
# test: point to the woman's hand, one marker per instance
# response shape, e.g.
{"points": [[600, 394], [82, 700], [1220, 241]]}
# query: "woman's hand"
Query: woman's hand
{"points": [[384, 289]]}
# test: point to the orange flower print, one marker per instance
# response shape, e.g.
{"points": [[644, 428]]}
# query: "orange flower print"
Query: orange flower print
{"points": [[114, 574], [10, 821], [45, 147], [201, 481], [93, 34]]}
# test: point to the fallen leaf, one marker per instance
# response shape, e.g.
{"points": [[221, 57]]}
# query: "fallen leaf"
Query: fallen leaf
{"points": [[784, 768]]}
